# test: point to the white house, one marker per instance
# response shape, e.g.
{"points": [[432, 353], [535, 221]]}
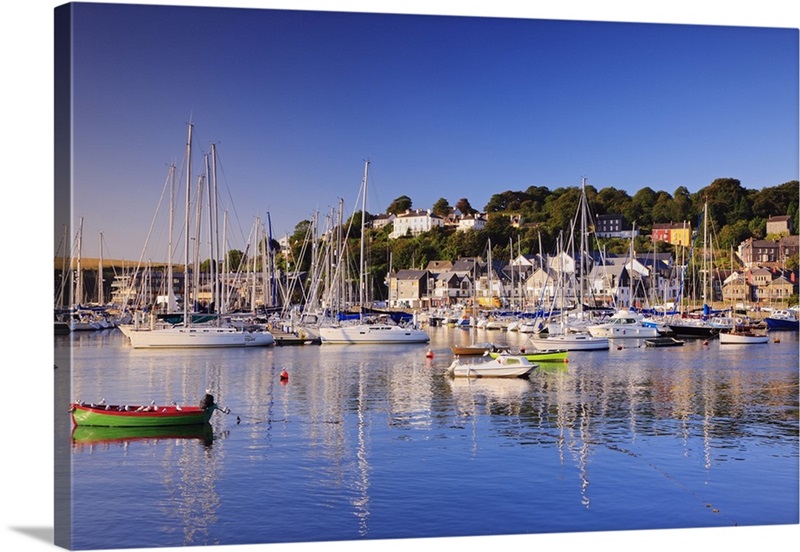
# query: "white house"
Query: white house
{"points": [[471, 222], [416, 222]]}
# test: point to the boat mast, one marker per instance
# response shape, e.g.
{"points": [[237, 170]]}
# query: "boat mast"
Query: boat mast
{"points": [[100, 273], [170, 289], [186, 230], [362, 264], [79, 267]]}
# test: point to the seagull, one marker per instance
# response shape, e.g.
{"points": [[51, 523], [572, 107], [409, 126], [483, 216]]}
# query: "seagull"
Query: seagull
{"points": [[102, 401], [177, 406], [108, 407]]}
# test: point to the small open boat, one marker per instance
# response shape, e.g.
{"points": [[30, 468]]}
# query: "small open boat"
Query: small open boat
{"points": [[477, 349], [504, 366], [664, 341], [742, 336], [107, 415], [546, 355]]}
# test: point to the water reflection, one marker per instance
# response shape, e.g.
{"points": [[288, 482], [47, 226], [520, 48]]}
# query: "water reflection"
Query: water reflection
{"points": [[91, 437], [325, 442]]}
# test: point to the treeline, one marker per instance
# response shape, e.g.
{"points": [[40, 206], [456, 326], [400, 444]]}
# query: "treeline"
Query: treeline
{"points": [[734, 214]]}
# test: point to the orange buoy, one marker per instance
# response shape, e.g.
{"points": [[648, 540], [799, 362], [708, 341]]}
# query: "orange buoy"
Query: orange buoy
{"points": [[429, 354], [705, 342], [284, 375]]}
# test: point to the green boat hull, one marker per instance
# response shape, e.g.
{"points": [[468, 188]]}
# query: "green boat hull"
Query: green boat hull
{"points": [[159, 416], [545, 356]]}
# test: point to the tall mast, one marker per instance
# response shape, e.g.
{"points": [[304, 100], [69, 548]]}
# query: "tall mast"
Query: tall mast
{"points": [[186, 229], [170, 289], [213, 231], [79, 267], [362, 267], [100, 274]]}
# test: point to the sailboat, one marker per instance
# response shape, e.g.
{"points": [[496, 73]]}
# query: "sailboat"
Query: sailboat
{"points": [[186, 334], [364, 330], [689, 326], [573, 339]]}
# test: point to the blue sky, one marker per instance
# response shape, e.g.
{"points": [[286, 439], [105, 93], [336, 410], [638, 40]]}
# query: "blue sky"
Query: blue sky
{"points": [[443, 106], [577, 130]]}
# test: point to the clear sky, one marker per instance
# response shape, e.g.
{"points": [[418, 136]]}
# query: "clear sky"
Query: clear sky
{"points": [[443, 106], [732, 99]]}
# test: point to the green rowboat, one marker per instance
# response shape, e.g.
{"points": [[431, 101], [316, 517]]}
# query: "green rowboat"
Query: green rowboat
{"points": [[139, 416]]}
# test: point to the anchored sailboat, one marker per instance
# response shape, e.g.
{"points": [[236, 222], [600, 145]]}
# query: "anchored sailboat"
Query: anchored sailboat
{"points": [[364, 331], [186, 334]]}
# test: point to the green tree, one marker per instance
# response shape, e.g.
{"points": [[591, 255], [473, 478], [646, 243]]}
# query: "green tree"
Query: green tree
{"points": [[464, 206], [441, 208], [399, 205]]}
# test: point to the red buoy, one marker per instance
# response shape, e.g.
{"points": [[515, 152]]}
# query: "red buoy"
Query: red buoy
{"points": [[284, 375], [429, 354]]}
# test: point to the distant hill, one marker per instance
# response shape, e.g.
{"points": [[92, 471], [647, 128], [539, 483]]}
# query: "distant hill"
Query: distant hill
{"points": [[88, 263]]}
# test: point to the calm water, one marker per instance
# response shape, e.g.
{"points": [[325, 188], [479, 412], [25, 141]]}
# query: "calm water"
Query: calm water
{"points": [[375, 442]]}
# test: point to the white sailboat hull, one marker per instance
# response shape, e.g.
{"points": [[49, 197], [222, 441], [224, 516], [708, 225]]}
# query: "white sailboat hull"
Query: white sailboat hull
{"points": [[742, 339], [371, 334], [197, 337], [572, 342]]}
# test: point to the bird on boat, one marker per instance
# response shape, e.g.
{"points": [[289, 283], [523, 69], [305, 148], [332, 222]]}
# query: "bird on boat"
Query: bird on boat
{"points": [[177, 406], [108, 407], [153, 406]]}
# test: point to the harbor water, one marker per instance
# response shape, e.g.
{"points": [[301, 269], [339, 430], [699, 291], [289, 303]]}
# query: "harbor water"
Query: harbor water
{"points": [[378, 442]]}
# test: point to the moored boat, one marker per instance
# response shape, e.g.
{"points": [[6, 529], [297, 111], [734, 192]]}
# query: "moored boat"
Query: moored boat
{"points": [[784, 320], [504, 366], [624, 324], [477, 349], [546, 355], [664, 341], [743, 336], [572, 341], [152, 415]]}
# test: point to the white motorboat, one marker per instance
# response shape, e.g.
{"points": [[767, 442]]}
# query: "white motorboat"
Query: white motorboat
{"points": [[504, 366], [624, 324], [571, 341]]}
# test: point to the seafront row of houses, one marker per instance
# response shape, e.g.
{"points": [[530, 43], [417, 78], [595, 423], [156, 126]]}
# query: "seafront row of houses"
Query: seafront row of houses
{"points": [[533, 281]]}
